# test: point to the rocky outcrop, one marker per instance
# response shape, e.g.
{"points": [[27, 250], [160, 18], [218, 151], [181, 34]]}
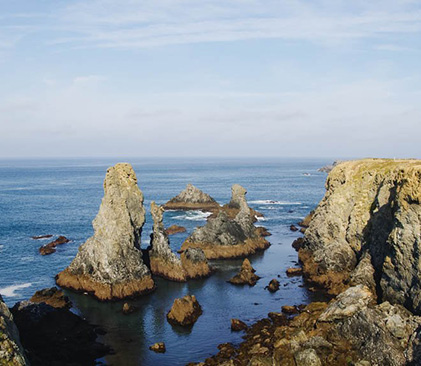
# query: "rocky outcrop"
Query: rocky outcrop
{"points": [[192, 198], [224, 237], [109, 265], [185, 311], [175, 229], [53, 297], [368, 223], [54, 336], [351, 330], [246, 276], [158, 347], [11, 350], [237, 325], [165, 263], [328, 168], [273, 285], [51, 247]]}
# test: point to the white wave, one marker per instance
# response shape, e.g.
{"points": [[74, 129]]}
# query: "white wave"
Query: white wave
{"points": [[268, 208], [193, 216], [10, 291], [271, 202], [262, 218], [1, 246], [27, 259]]}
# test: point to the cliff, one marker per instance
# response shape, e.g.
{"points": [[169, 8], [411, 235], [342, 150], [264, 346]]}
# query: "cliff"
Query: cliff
{"points": [[367, 230], [11, 350], [109, 265]]}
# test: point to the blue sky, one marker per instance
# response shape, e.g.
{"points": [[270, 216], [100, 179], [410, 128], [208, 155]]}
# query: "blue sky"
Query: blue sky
{"points": [[210, 78]]}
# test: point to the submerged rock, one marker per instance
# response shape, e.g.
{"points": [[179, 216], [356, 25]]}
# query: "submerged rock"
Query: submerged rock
{"points": [[53, 297], [11, 351], [192, 198], [158, 347], [51, 247], [224, 237], [109, 265], [37, 237], [185, 311], [54, 336], [175, 229], [246, 276], [351, 330], [371, 207]]}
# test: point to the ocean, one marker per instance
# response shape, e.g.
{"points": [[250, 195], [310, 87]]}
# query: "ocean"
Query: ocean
{"points": [[62, 197]]}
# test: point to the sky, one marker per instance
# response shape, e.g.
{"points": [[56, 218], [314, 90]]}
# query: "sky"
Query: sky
{"points": [[175, 78]]}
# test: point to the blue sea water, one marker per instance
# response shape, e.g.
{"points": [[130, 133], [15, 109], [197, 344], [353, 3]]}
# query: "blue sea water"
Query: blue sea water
{"points": [[61, 197]]}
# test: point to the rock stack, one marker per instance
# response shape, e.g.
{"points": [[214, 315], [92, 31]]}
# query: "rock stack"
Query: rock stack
{"points": [[164, 262], [109, 265], [192, 198], [224, 237]]}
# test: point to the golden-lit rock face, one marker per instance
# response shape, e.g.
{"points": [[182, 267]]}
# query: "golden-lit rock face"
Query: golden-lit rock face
{"points": [[371, 211], [109, 265], [185, 311]]}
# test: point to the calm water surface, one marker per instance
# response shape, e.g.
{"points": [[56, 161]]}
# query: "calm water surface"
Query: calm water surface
{"points": [[61, 197]]}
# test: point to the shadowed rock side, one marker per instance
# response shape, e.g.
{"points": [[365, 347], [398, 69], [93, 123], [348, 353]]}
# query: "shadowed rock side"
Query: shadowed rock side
{"points": [[164, 262], [109, 265], [368, 224], [350, 330], [224, 237], [54, 336], [192, 198], [11, 350]]}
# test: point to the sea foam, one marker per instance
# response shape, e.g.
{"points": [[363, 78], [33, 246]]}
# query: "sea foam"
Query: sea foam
{"points": [[10, 291], [271, 202], [193, 216]]}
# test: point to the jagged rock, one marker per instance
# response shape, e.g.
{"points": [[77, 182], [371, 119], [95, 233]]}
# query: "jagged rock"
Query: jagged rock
{"points": [[11, 350], [158, 347], [364, 273], [51, 247], [288, 309], [297, 243], [351, 330], [373, 206], [185, 311], [237, 325], [246, 276], [195, 264], [128, 309], [293, 228], [192, 198], [109, 265], [294, 271], [163, 261], [328, 168], [53, 297], [224, 237], [54, 336], [273, 285], [305, 223], [37, 237], [175, 229]]}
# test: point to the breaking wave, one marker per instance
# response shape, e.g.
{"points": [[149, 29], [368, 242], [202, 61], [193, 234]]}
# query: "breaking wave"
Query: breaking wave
{"points": [[271, 202], [193, 216], [10, 291]]}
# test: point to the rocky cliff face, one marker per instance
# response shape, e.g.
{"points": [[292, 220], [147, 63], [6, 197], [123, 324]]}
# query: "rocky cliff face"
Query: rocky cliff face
{"points": [[11, 350], [367, 230], [224, 237], [192, 198], [109, 265]]}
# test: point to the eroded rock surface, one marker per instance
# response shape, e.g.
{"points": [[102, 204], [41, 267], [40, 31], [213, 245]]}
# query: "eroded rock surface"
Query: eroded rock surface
{"points": [[175, 229], [53, 297], [368, 223], [192, 198], [11, 350], [185, 311], [225, 237], [351, 330], [246, 276], [109, 265]]}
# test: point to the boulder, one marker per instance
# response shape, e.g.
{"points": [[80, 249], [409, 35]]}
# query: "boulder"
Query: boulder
{"points": [[53, 297], [225, 237], [185, 311], [237, 325], [128, 309], [51, 247], [11, 351], [158, 347], [110, 265], [192, 198], [175, 229], [371, 207], [293, 228], [273, 285], [246, 276], [294, 271]]}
